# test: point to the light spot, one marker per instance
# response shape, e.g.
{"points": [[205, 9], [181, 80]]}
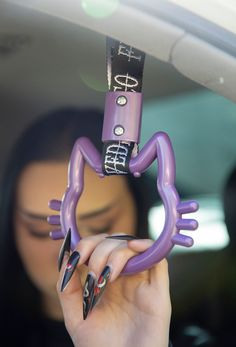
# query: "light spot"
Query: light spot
{"points": [[99, 9]]}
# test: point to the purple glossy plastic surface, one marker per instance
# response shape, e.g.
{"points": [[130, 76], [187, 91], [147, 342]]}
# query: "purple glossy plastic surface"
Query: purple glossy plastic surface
{"points": [[159, 147], [83, 151], [127, 116]]}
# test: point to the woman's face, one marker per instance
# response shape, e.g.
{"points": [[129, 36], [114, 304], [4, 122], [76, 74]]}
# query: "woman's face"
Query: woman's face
{"points": [[106, 205]]}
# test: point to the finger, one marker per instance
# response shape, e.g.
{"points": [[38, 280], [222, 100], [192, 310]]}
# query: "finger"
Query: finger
{"points": [[140, 245], [100, 270], [69, 281], [87, 245], [84, 248], [159, 276], [99, 258], [159, 280], [113, 253]]}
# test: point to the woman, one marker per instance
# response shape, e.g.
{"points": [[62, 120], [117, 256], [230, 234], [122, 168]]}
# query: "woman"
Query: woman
{"points": [[134, 310]]}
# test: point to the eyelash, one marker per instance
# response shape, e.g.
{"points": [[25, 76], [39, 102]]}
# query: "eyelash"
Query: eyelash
{"points": [[105, 229], [39, 234], [45, 235]]}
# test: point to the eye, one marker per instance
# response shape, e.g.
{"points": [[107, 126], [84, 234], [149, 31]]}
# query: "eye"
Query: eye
{"points": [[101, 230], [39, 234]]}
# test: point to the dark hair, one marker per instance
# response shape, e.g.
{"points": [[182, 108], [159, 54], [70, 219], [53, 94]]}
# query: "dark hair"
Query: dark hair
{"points": [[50, 137], [229, 206]]}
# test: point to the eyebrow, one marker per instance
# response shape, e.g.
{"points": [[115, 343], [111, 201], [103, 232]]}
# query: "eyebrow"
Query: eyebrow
{"points": [[83, 216]]}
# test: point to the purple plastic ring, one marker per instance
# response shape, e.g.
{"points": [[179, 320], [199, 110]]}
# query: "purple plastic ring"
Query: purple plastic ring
{"points": [[158, 147]]}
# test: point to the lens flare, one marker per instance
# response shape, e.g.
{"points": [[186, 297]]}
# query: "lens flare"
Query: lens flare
{"points": [[92, 82], [99, 9]]}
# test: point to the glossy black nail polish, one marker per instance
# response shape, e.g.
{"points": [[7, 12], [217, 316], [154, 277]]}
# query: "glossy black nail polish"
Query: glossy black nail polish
{"points": [[65, 248], [123, 237], [101, 284], [88, 294], [70, 268]]}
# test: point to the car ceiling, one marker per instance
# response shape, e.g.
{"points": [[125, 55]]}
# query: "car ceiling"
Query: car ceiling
{"points": [[51, 56]]}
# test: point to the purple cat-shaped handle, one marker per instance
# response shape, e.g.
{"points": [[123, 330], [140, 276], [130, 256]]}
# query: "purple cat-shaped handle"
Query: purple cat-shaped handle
{"points": [[158, 147]]}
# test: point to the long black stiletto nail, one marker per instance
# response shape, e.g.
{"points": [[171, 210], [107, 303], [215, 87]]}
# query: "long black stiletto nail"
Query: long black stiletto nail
{"points": [[123, 237], [65, 248], [70, 268], [101, 284], [88, 294]]}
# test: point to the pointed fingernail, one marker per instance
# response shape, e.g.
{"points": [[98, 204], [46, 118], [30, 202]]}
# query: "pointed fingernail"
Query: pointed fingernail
{"points": [[88, 294], [70, 268], [101, 284], [65, 248], [123, 237]]}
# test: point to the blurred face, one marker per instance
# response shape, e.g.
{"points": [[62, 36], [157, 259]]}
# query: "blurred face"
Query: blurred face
{"points": [[106, 205]]}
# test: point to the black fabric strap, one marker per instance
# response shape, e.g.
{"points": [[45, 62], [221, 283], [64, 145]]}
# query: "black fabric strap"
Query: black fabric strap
{"points": [[116, 157], [124, 67], [124, 73]]}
